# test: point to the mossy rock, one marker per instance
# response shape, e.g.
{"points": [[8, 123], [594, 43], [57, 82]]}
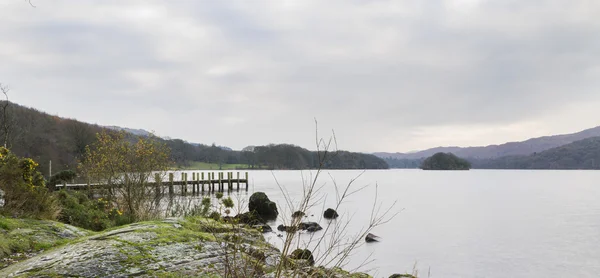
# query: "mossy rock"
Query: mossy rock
{"points": [[24, 238], [303, 254], [265, 208]]}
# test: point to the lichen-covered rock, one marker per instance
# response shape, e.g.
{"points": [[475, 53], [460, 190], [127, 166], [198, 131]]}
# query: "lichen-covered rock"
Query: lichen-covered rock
{"points": [[330, 214], [192, 247], [21, 239], [265, 208]]}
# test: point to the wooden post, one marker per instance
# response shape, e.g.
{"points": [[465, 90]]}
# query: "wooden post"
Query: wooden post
{"points": [[158, 187], [212, 185], [202, 183], [182, 179], [246, 181], [220, 182], [184, 184], [229, 185], [193, 183], [238, 181], [197, 183], [171, 184]]}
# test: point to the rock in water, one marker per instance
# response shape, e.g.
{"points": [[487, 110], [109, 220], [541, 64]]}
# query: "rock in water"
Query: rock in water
{"points": [[310, 226], [330, 214], [265, 208], [297, 214], [371, 238], [402, 276]]}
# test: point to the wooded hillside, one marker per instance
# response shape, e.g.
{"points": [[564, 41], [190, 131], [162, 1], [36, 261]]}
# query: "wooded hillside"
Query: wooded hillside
{"points": [[46, 138]]}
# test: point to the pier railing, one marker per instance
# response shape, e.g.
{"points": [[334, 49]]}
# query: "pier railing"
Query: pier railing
{"points": [[199, 182]]}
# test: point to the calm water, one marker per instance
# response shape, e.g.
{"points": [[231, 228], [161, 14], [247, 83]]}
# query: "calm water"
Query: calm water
{"points": [[479, 223]]}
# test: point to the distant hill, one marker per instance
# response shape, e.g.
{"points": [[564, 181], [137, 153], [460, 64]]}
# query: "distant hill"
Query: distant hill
{"points": [[46, 138], [582, 154], [494, 151]]}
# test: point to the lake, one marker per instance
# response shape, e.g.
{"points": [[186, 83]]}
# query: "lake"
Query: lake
{"points": [[478, 223]]}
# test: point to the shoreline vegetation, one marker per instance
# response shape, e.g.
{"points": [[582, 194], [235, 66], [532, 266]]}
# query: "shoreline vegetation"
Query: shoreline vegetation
{"points": [[125, 229]]}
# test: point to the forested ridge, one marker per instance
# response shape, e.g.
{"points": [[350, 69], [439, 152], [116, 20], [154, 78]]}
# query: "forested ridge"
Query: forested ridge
{"points": [[46, 138], [582, 154]]}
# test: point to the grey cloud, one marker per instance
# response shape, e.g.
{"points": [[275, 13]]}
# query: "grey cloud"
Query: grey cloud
{"points": [[259, 71]]}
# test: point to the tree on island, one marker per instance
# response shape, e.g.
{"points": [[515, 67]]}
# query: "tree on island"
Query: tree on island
{"points": [[445, 161]]}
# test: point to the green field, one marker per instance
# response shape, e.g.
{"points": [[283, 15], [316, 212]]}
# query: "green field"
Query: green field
{"points": [[195, 165]]}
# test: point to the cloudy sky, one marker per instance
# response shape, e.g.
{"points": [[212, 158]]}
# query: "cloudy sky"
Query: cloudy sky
{"points": [[385, 75]]}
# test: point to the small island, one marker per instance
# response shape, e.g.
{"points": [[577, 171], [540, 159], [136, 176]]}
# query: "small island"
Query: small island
{"points": [[445, 161]]}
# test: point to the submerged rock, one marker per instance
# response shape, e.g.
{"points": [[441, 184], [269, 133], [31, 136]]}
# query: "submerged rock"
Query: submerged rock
{"points": [[287, 229], [330, 214], [298, 214], [265, 208], [310, 226], [304, 226]]}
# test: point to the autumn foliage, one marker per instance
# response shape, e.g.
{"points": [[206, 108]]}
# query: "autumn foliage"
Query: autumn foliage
{"points": [[125, 166]]}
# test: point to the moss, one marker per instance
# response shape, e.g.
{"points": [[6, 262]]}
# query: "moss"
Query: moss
{"points": [[19, 238]]}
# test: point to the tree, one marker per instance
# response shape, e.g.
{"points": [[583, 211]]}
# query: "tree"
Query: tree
{"points": [[6, 120], [445, 161], [126, 166]]}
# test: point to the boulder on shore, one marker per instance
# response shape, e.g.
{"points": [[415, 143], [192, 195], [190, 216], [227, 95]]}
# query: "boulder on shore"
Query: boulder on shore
{"points": [[303, 254], [265, 208], [250, 218], [330, 214], [264, 228]]}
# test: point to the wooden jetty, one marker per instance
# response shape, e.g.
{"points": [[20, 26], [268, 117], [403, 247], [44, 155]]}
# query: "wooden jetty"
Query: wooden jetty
{"points": [[199, 183]]}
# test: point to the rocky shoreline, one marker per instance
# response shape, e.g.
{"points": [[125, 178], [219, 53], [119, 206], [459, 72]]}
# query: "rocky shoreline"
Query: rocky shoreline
{"points": [[188, 247]]}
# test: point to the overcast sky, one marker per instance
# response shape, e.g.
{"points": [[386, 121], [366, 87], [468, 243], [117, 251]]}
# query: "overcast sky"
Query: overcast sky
{"points": [[385, 75]]}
